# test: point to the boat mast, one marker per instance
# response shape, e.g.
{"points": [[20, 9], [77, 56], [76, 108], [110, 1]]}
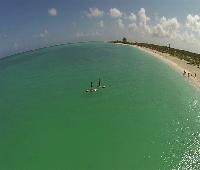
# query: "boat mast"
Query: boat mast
{"points": [[99, 82], [91, 84]]}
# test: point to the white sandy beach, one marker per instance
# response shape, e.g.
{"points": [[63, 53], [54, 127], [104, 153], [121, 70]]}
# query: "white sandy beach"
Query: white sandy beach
{"points": [[175, 63]]}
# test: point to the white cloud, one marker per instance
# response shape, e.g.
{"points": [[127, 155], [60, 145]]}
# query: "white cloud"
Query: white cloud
{"points": [[188, 38], [143, 19], [44, 33], [158, 31], [170, 24], [120, 23], [193, 23], [53, 12], [168, 28], [133, 26], [164, 28], [115, 13], [132, 17], [100, 24], [95, 12], [171, 29]]}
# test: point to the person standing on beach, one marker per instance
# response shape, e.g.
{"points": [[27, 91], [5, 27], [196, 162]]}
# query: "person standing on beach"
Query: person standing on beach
{"points": [[184, 72], [188, 75]]}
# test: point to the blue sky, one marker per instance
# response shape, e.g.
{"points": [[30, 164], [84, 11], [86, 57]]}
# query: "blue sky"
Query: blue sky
{"points": [[26, 24]]}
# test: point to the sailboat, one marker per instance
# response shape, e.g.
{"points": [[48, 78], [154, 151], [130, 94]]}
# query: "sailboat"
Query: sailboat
{"points": [[99, 84], [91, 88]]}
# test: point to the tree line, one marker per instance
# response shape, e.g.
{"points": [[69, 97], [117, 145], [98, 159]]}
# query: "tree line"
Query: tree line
{"points": [[190, 57]]}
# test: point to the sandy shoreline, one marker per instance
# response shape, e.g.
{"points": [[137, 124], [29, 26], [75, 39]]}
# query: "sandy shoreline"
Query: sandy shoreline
{"points": [[175, 63]]}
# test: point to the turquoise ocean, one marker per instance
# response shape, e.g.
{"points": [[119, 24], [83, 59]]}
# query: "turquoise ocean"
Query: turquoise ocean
{"points": [[147, 117]]}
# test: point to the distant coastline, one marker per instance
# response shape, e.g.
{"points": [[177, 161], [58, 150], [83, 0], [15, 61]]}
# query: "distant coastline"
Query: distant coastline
{"points": [[44, 47], [185, 62], [30, 51]]}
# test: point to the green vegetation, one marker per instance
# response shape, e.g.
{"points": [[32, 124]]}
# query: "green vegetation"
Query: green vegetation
{"points": [[190, 57]]}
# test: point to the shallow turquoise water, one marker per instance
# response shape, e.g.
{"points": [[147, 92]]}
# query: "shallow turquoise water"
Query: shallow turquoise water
{"points": [[148, 117]]}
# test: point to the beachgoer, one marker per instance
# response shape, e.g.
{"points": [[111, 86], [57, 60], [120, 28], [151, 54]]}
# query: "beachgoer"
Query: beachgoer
{"points": [[184, 72], [188, 75], [195, 75]]}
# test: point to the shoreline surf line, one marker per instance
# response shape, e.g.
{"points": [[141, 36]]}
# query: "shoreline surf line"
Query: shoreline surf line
{"points": [[175, 63]]}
